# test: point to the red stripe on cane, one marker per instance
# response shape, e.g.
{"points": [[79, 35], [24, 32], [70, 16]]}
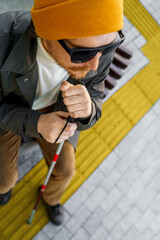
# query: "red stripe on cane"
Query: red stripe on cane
{"points": [[39, 197], [43, 187], [55, 157]]}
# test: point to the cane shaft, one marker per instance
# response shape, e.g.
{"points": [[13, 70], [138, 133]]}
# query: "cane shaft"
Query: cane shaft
{"points": [[49, 172]]}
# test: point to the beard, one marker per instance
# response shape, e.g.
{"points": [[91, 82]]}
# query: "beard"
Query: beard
{"points": [[78, 72]]}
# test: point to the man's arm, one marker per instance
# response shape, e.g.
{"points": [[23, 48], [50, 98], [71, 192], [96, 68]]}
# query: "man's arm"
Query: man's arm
{"points": [[16, 118], [13, 116], [23, 121]]}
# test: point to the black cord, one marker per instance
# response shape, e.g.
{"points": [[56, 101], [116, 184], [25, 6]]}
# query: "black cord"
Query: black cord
{"points": [[69, 119]]}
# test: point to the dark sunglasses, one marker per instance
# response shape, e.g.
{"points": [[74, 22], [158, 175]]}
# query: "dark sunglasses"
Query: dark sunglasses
{"points": [[81, 55]]}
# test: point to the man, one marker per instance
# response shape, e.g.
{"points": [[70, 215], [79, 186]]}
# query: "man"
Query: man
{"points": [[46, 78]]}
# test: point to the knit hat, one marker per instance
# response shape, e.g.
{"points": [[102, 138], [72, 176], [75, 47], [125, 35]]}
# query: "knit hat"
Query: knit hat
{"points": [[67, 19]]}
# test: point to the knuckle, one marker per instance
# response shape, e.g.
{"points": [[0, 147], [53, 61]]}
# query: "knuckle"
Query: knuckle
{"points": [[80, 86], [74, 115], [71, 134], [69, 108], [86, 96], [75, 127], [65, 101], [64, 94], [50, 139], [69, 127], [83, 88]]}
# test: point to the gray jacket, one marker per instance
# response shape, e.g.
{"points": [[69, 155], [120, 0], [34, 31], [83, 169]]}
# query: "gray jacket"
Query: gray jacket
{"points": [[19, 76]]}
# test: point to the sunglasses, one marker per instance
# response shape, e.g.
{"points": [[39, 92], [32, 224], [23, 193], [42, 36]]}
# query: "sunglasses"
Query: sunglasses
{"points": [[82, 55]]}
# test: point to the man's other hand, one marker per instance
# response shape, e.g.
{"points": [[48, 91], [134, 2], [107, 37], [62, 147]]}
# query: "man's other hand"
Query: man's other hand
{"points": [[51, 124]]}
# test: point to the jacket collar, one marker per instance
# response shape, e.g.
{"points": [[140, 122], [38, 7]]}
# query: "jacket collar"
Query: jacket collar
{"points": [[22, 58]]}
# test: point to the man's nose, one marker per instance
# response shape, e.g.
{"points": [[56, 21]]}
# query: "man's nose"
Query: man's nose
{"points": [[94, 62]]}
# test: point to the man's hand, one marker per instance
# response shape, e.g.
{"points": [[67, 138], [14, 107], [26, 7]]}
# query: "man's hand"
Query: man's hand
{"points": [[50, 125], [77, 100]]}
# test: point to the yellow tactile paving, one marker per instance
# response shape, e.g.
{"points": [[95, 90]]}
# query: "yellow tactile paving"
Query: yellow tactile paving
{"points": [[113, 125], [76, 182], [132, 102], [152, 51], [141, 19], [120, 113], [14, 215], [148, 82]]}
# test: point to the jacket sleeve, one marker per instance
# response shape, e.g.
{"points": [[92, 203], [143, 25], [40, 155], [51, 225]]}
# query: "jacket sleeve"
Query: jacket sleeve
{"points": [[14, 117], [96, 91], [17, 119]]}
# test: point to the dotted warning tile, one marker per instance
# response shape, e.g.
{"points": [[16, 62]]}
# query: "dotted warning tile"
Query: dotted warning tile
{"points": [[151, 50], [141, 19], [14, 215]]}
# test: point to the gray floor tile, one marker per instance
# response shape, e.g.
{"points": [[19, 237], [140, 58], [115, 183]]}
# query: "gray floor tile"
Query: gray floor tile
{"points": [[100, 233], [81, 234], [78, 219], [94, 221], [41, 236]]}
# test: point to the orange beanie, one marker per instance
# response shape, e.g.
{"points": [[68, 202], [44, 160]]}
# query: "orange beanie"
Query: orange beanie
{"points": [[66, 19]]}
